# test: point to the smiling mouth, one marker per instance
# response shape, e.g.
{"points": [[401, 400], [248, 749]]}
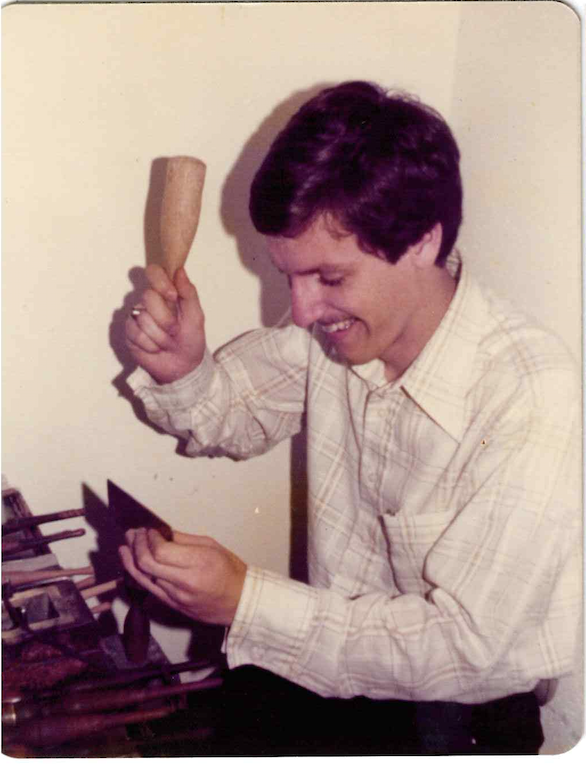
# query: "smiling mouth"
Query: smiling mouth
{"points": [[334, 327]]}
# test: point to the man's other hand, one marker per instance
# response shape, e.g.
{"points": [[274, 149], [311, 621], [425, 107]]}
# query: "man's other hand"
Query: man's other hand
{"points": [[192, 574]]}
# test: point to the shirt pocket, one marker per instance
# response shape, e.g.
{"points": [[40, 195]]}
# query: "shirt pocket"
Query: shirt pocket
{"points": [[410, 538]]}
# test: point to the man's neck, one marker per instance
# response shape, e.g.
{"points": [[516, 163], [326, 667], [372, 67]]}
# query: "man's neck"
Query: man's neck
{"points": [[435, 303]]}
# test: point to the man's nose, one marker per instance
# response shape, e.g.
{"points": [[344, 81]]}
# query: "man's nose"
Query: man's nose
{"points": [[305, 301]]}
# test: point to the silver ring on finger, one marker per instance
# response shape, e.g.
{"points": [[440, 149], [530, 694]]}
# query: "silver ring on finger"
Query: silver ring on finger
{"points": [[137, 310]]}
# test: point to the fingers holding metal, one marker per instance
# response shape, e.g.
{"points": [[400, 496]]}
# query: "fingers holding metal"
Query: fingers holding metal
{"points": [[195, 575], [147, 581], [168, 562], [161, 558], [141, 557]]}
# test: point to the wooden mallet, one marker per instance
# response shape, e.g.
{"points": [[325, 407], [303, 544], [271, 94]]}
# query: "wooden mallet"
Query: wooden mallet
{"points": [[181, 206]]}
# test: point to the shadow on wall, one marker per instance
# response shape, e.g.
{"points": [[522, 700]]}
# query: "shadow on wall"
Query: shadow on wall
{"points": [[234, 207], [274, 290]]}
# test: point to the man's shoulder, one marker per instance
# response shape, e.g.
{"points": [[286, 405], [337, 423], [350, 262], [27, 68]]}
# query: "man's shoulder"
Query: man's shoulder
{"points": [[516, 346]]}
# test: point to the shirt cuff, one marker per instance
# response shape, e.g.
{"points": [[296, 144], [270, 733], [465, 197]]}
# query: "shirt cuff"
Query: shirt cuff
{"points": [[181, 394], [272, 622]]}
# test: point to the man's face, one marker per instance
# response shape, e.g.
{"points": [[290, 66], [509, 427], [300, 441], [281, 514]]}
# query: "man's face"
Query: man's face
{"points": [[367, 306]]}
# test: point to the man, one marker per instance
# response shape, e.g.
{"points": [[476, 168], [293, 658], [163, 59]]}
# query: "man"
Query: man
{"points": [[442, 455]]}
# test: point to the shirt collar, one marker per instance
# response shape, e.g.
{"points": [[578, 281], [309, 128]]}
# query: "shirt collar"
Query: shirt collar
{"points": [[439, 379]]}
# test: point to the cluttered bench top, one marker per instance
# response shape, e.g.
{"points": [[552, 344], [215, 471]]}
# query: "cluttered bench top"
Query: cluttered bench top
{"points": [[72, 684]]}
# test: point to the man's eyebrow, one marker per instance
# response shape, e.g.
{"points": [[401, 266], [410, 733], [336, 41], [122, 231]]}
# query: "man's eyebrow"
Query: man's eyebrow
{"points": [[304, 273], [323, 268], [301, 273]]}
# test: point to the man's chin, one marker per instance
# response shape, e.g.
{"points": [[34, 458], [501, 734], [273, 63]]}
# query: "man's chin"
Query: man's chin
{"points": [[350, 358]]}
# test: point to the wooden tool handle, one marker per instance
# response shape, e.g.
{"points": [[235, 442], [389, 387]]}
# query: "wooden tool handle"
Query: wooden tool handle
{"points": [[16, 546], [180, 210], [32, 521], [18, 711], [22, 577], [125, 677], [55, 730], [93, 702], [103, 587]]}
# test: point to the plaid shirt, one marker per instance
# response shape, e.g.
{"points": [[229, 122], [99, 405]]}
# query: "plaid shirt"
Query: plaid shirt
{"points": [[444, 507]]}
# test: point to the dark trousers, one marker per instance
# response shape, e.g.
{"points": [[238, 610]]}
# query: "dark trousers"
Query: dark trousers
{"points": [[266, 715]]}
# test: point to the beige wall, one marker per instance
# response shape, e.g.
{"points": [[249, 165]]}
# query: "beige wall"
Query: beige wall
{"points": [[93, 94], [516, 110]]}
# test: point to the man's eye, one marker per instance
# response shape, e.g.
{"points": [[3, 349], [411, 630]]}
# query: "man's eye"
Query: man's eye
{"points": [[331, 282]]}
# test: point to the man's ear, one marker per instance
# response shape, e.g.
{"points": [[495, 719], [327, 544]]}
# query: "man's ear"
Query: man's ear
{"points": [[425, 252]]}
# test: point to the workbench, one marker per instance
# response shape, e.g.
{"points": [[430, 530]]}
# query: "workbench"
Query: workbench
{"points": [[68, 688]]}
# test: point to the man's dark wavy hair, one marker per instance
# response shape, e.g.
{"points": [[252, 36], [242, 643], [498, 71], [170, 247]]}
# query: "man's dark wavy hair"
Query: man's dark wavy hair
{"points": [[385, 167]]}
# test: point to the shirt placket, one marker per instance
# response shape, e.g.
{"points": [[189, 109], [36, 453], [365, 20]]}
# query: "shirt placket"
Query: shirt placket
{"points": [[379, 415], [364, 560]]}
